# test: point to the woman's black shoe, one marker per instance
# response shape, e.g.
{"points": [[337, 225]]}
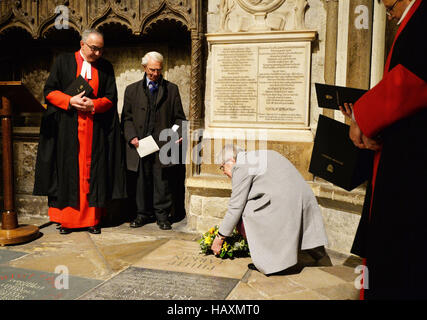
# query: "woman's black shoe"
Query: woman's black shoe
{"points": [[251, 266]]}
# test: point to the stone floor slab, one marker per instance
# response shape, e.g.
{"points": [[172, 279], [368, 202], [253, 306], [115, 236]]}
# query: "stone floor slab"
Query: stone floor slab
{"points": [[123, 255], [153, 230], [243, 291], [345, 291], [185, 256], [76, 251], [25, 284], [343, 272], [272, 286], [306, 294], [313, 278], [147, 284], [9, 255]]}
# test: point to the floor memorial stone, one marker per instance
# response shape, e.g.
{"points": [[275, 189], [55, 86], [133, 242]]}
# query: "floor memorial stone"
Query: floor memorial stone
{"points": [[185, 256], [147, 284], [25, 284], [9, 255]]}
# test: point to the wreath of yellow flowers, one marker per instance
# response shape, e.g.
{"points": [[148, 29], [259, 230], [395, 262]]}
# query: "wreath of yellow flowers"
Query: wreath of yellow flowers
{"points": [[233, 246]]}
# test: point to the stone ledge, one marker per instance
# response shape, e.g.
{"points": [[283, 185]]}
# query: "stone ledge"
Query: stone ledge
{"points": [[340, 205], [209, 185]]}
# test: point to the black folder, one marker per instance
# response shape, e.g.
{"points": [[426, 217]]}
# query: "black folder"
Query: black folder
{"points": [[79, 85], [336, 159], [331, 97]]}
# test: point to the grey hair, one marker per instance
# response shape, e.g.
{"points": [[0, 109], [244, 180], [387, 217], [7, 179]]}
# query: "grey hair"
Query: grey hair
{"points": [[230, 151], [87, 32], [152, 55]]}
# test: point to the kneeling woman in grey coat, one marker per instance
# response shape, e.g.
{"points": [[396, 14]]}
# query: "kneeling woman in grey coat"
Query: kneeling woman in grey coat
{"points": [[279, 211]]}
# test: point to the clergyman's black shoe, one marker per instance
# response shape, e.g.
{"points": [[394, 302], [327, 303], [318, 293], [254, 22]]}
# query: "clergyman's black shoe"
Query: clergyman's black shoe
{"points": [[164, 225], [139, 222], [95, 229], [63, 230]]}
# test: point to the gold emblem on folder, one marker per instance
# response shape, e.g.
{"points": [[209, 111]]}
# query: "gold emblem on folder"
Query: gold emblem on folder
{"points": [[329, 97], [330, 168]]}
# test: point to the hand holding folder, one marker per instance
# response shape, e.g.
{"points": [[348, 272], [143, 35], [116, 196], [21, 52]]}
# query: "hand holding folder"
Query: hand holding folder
{"points": [[80, 90], [332, 97], [147, 146], [78, 86]]}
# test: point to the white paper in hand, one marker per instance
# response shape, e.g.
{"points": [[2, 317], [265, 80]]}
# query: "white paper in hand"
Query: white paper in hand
{"points": [[147, 146]]}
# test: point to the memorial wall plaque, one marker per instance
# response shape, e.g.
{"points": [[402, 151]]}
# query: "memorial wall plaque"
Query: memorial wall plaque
{"points": [[260, 84]]}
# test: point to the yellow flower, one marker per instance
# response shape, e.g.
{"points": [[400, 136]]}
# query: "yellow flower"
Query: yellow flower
{"points": [[208, 240], [212, 230], [225, 245]]}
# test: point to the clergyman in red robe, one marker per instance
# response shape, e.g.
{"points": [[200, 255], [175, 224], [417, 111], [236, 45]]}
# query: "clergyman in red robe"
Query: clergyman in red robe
{"points": [[391, 119], [80, 161]]}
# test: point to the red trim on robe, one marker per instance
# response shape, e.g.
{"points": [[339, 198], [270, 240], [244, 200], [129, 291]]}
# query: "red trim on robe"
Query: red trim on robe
{"points": [[59, 99], [83, 215], [369, 105]]}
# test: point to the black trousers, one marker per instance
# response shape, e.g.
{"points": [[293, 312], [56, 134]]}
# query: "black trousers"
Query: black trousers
{"points": [[153, 189]]}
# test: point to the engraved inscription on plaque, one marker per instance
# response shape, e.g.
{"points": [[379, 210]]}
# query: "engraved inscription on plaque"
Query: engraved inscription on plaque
{"points": [[193, 263], [235, 84], [23, 284], [260, 84], [146, 284]]}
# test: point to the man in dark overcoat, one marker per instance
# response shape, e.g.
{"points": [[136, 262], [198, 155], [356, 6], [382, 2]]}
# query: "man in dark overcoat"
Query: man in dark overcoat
{"points": [[152, 106]]}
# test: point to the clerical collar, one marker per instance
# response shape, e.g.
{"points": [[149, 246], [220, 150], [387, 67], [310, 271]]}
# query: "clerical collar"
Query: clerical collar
{"points": [[86, 68], [406, 11]]}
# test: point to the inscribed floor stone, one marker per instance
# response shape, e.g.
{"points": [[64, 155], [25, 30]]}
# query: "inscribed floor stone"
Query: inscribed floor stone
{"points": [[147, 284], [25, 284], [185, 256]]}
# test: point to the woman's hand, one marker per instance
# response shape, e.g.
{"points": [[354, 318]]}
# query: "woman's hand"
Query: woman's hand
{"points": [[217, 245]]}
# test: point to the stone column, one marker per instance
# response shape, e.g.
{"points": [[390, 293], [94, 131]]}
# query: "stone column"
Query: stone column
{"points": [[359, 43], [196, 107], [378, 43], [331, 46]]}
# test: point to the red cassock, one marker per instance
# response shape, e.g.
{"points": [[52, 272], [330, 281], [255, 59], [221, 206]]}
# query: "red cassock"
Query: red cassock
{"points": [[392, 227], [83, 215]]}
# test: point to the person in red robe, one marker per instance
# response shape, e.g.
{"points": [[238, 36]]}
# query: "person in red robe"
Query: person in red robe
{"points": [[79, 162], [391, 119]]}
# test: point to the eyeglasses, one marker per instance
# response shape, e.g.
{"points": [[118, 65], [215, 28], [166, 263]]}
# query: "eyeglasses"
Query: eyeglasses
{"points": [[94, 48], [155, 70], [390, 9]]}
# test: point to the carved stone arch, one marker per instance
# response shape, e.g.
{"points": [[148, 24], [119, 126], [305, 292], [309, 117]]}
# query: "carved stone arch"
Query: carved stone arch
{"points": [[165, 12], [50, 23], [6, 17], [110, 16], [16, 24], [12, 19], [151, 24]]}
